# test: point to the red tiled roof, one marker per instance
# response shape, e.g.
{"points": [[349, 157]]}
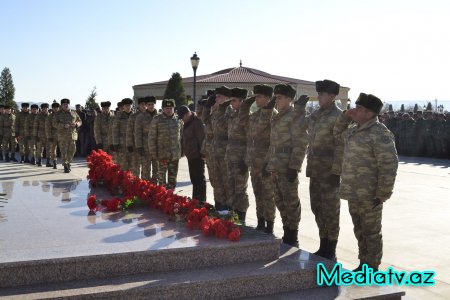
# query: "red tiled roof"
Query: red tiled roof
{"points": [[240, 75]]}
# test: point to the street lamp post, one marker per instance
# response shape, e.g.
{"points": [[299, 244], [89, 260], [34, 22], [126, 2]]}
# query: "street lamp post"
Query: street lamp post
{"points": [[194, 62]]}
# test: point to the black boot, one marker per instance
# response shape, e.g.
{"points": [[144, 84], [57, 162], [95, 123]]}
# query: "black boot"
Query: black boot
{"points": [[66, 168], [291, 237], [323, 247], [39, 162], [54, 164], [241, 215], [261, 224], [48, 164], [13, 157], [331, 250], [269, 228], [285, 229], [33, 160], [6, 157], [27, 160], [22, 159]]}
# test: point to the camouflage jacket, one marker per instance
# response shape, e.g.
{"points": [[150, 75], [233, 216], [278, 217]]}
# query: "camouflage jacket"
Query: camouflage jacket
{"points": [[237, 136], [8, 122], [21, 118], [370, 160], [324, 149], [29, 125], [207, 142], [142, 128], [288, 141], [39, 125], [164, 137], [219, 123], [50, 126], [63, 118], [119, 130], [130, 140], [101, 127]]}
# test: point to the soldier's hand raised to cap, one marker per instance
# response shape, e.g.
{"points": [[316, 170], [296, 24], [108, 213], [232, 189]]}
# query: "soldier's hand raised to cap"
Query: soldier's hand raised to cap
{"points": [[250, 99], [271, 103], [302, 100]]}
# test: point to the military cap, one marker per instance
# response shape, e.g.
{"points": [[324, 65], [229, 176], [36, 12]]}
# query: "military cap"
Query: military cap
{"points": [[65, 100], [150, 99], [182, 110], [327, 86], [44, 105], [370, 102], [120, 104], [239, 93], [55, 104], [126, 101], [142, 100], [263, 89], [34, 106], [223, 90], [105, 104], [77, 105], [168, 103], [285, 89], [25, 104]]}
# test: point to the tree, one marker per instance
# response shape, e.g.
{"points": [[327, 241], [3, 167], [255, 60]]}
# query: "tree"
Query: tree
{"points": [[90, 101], [416, 108], [402, 108], [7, 89], [175, 90], [429, 107]]}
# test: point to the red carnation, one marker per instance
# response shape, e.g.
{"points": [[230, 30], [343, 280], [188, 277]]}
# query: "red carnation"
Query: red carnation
{"points": [[235, 234], [92, 202]]}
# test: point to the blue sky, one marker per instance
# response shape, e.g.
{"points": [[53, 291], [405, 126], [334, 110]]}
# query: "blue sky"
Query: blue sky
{"points": [[397, 50]]}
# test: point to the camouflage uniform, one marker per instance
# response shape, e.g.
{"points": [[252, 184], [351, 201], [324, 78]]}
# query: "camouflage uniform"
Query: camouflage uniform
{"points": [[135, 164], [119, 131], [258, 141], [207, 143], [288, 141], [323, 168], [51, 133], [141, 135], [24, 142], [164, 145], [67, 137], [221, 187], [40, 136], [102, 125], [369, 169], [29, 133], [9, 139]]}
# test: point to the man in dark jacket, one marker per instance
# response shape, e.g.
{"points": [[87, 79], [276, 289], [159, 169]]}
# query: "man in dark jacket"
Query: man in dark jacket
{"points": [[191, 145]]}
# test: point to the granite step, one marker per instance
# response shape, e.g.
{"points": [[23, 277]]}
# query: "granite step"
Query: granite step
{"points": [[254, 246], [292, 276]]}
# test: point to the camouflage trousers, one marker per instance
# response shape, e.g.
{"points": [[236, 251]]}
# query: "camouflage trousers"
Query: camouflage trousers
{"points": [[367, 229], [287, 200], [52, 145], [24, 146], [149, 167], [32, 145], [326, 206], [42, 145], [135, 164], [221, 186], [263, 190], [9, 144], [238, 180], [123, 159], [168, 168], [68, 148]]}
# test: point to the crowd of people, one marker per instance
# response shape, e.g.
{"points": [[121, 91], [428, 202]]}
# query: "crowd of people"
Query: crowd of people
{"points": [[350, 154]]}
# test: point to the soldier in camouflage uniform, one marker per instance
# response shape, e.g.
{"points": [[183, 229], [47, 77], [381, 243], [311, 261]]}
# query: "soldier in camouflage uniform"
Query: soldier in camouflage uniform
{"points": [[51, 133], [39, 135], [67, 121], [24, 143], [102, 124], [115, 154], [8, 133], [368, 174], [237, 145], [2, 115], [164, 143], [324, 167], [141, 131], [135, 166], [258, 141], [219, 124], [288, 141], [119, 134], [29, 133]]}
